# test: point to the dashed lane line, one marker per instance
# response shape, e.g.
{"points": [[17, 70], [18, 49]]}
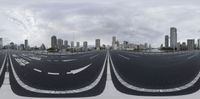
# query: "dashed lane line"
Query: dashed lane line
{"points": [[124, 57], [37, 70]]}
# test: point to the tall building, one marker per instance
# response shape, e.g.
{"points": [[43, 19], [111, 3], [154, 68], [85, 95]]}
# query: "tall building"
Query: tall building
{"points": [[26, 44], [60, 44], [173, 37], [53, 42], [66, 44], [77, 44], [1, 43], [114, 41], [191, 44], [198, 43], [125, 44], [166, 41], [97, 44], [85, 46], [72, 44]]}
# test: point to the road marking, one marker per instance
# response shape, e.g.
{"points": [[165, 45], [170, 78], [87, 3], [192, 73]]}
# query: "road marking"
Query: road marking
{"points": [[14, 55], [124, 57], [35, 58], [2, 67], [68, 60], [78, 70], [35, 69], [57, 92], [94, 56], [134, 55], [190, 57], [21, 61], [51, 73], [140, 89], [25, 58]]}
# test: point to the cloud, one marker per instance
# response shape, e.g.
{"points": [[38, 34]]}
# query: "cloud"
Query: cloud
{"points": [[135, 21]]}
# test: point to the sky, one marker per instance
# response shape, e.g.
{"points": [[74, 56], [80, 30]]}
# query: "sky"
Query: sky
{"points": [[136, 21]]}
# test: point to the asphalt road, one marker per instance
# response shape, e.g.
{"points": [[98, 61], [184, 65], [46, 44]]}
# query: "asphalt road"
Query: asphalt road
{"points": [[155, 74], [57, 75], [3, 59]]}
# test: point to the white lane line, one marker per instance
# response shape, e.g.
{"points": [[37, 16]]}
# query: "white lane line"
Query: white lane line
{"points": [[14, 55], [37, 70], [2, 67], [25, 58], [140, 89], [94, 56], [51, 73], [78, 70], [35, 58], [190, 57], [134, 55], [124, 57], [78, 90], [68, 60]]}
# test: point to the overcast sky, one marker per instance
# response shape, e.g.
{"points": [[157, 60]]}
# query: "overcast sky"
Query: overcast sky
{"points": [[137, 21]]}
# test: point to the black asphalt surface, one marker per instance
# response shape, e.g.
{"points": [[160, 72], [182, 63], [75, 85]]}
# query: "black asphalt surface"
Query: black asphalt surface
{"points": [[53, 72], [2, 73], [155, 71]]}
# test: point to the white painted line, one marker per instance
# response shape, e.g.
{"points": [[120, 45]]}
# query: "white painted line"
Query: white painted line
{"points": [[37, 70], [3, 65], [190, 57], [68, 60], [94, 56], [43, 91], [51, 73], [35, 58], [124, 57], [25, 58], [78, 70], [140, 89]]}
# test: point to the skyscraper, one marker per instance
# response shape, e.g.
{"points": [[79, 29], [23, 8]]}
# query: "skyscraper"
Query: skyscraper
{"points": [[198, 43], [60, 44], [1, 43], [114, 41], [26, 44], [53, 42], [166, 41], [85, 46], [72, 44], [66, 44], [191, 44], [97, 44], [173, 37], [77, 44]]}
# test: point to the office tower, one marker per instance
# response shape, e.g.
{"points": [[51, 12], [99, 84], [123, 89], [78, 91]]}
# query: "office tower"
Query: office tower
{"points": [[77, 44], [190, 44], [145, 45], [178, 46], [166, 41], [114, 41], [60, 44], [173, 37], [125, 44], [85, 46], [66, 44], [53, 42], [98, 44], [72, 44], [1, 43], [26, 44], [198, 44]]}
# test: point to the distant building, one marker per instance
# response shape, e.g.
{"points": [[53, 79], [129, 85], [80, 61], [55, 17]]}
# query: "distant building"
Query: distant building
{"points": [[114, 40], [53, 42], [12, 45], [66, 44], [145, 45], [183, 46], [72, 44], [85, 46], [22, 47], [166, 41], [60, 44], [178, 46], [77, 44], [1, 43], [125, 44], [198, 44], [26, 44], [97, 44], [173, 37], [191, 44], [42, 47]]}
